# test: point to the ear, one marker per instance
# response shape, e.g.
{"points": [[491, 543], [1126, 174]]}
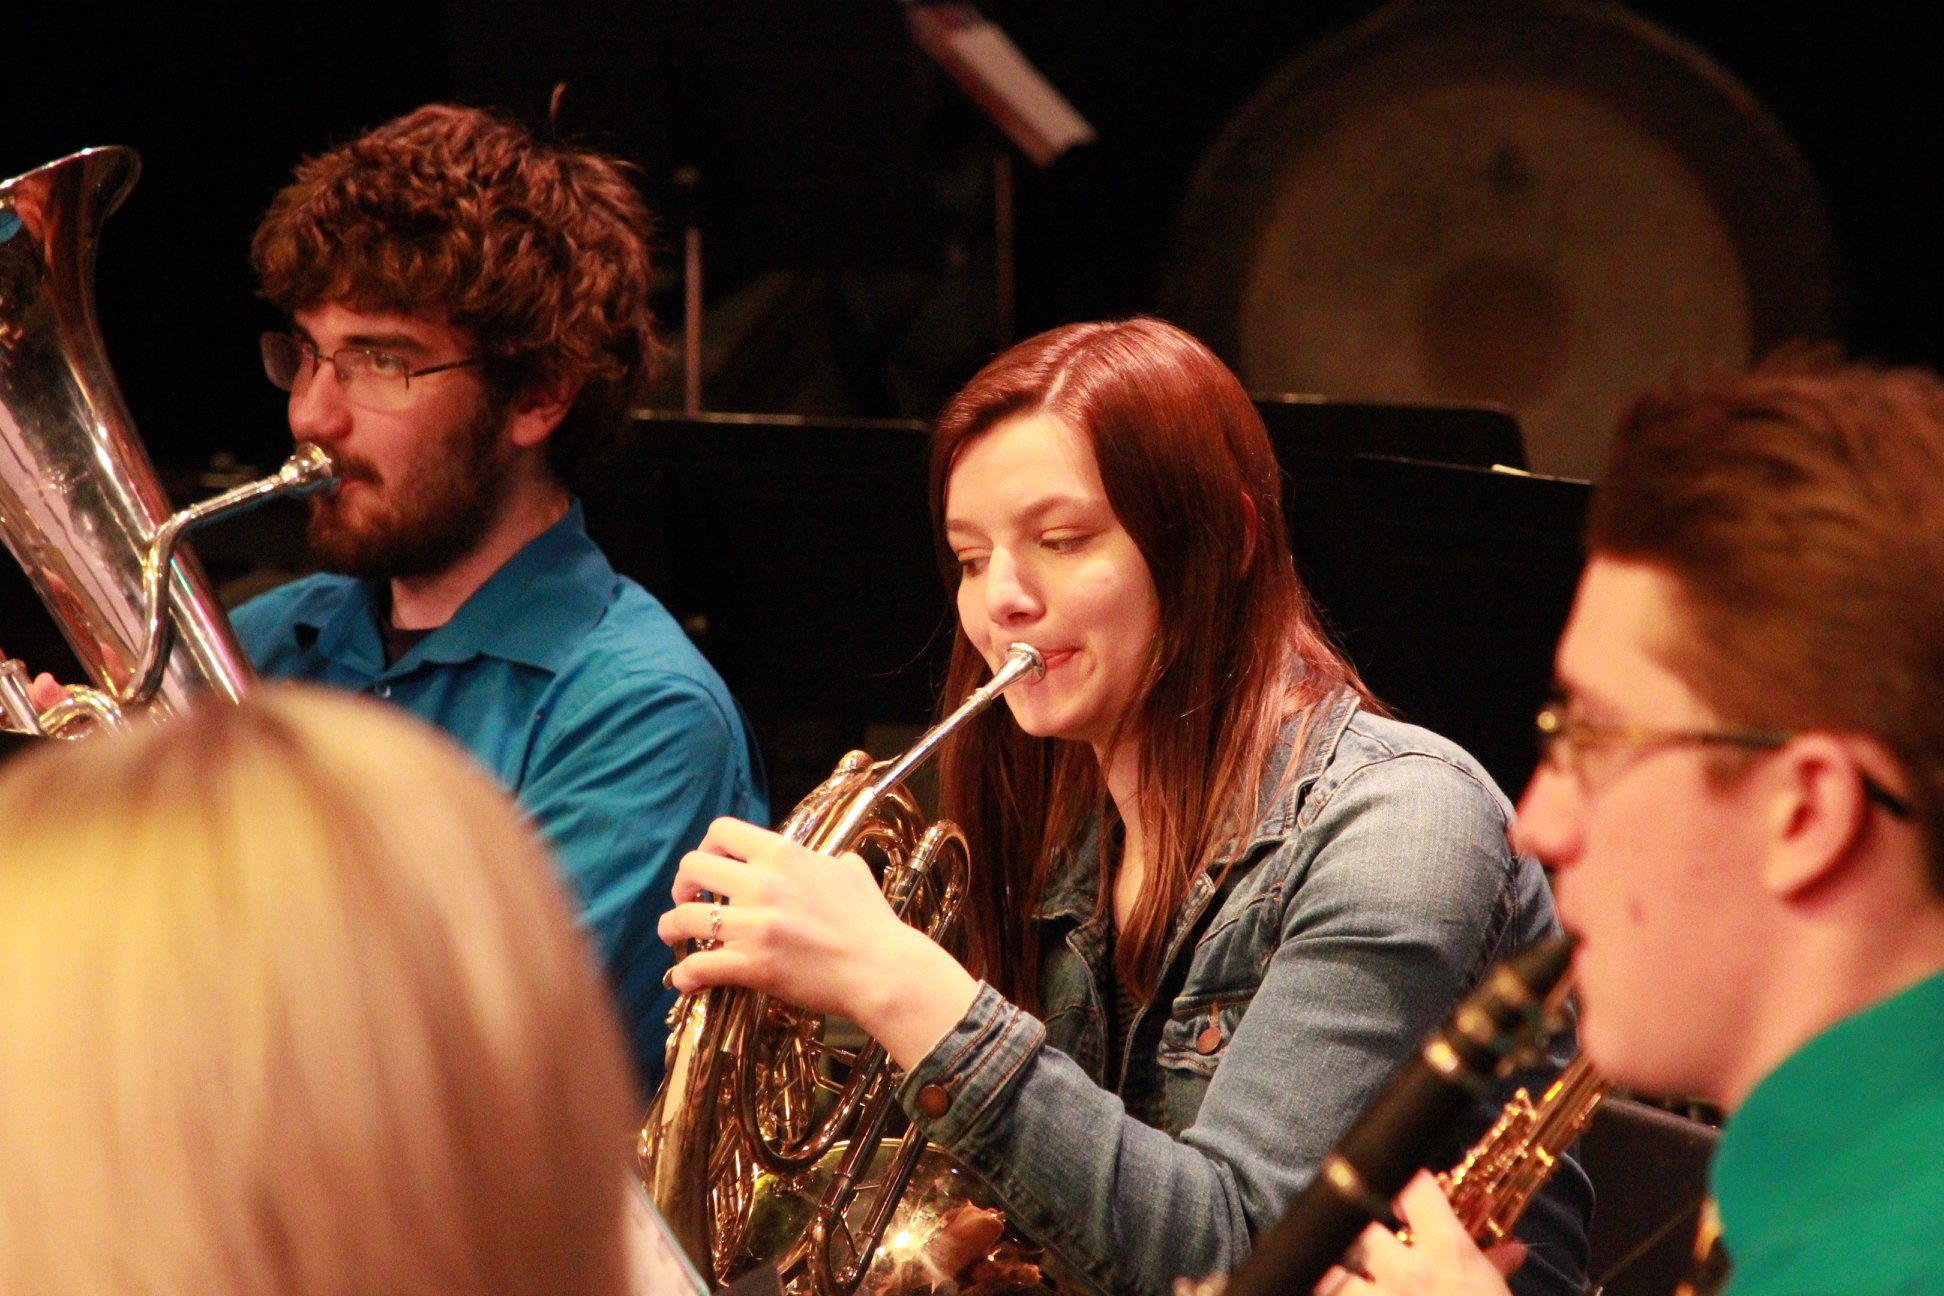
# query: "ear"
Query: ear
{"points": [[1817, 812], [540, 408]]}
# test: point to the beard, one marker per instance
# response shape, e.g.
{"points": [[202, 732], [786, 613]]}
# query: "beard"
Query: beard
{"points": [[424, 519]]}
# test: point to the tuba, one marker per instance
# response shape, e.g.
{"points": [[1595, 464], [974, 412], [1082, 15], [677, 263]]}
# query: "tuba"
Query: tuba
{"points": [[767, 1144], [80, 507]]}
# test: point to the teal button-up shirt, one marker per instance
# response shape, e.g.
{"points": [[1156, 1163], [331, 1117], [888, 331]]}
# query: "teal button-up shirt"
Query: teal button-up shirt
{"points": [[575, 687], [1830, 1176]]}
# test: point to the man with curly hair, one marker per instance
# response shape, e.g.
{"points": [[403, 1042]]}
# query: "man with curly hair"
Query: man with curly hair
{"points": [[469, 324]]}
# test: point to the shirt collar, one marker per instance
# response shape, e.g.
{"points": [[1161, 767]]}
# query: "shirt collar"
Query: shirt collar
{"points": [[531, 611], [1319, 727], [1073, 884], [1825, 1112]]}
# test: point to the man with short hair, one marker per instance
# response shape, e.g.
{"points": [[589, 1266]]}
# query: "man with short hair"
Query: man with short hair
{"points": [[470, 323], [1740, 801]]}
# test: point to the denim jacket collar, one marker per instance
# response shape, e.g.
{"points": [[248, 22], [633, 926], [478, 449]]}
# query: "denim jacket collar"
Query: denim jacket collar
{"points": [[1073, 884]]}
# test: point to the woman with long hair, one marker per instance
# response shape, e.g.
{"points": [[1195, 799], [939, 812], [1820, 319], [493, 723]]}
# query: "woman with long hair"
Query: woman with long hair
{"points": [[291, 1001], [1219, 894]]}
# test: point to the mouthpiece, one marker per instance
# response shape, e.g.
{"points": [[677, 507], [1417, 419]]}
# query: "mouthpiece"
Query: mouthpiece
{"points": [[1021, 659], [309, 469]]}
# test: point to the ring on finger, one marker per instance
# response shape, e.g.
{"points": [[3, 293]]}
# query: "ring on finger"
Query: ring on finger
{"points": [[715, 922]]}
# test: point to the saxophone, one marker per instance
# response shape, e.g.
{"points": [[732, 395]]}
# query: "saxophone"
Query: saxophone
{"points": [[1490, 1188]]}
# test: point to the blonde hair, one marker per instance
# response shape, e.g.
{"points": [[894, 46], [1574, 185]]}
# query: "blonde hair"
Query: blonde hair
{"points": [[291, 1001]]}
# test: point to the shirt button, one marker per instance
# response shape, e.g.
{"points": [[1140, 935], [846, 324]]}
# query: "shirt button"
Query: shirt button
{"points": [[381, 690], [1209, 1040], [934, 1101]]}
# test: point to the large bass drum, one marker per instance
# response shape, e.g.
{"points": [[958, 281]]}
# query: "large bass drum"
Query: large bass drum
{"points": [[1550, 205]]}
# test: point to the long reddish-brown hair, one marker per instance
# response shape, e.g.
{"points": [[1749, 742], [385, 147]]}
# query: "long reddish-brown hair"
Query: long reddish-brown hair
{"points": [[1188, 470]]}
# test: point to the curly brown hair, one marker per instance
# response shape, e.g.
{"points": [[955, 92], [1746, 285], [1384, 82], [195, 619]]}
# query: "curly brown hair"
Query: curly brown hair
{"points": [[539, 250]]}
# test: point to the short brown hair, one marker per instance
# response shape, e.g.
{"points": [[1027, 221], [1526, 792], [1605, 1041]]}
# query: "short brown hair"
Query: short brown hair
{"points": [[539, 250], [292, 1000], [1801, 508]]}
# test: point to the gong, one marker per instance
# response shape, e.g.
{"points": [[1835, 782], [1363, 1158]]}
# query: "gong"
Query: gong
{"points": [[1549, 205]]}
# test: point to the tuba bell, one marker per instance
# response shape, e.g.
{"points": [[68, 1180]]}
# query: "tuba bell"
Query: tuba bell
{"points": [[80, 506], [766, 1144]]}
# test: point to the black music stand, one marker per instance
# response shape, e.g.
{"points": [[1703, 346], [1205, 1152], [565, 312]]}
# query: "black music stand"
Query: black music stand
{"points": [[1447, 583], [798, 554], [1464, 582], [1321, 427]]}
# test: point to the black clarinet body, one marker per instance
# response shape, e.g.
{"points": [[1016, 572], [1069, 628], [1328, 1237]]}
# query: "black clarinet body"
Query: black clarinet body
{"points": [[1457, 1066]]}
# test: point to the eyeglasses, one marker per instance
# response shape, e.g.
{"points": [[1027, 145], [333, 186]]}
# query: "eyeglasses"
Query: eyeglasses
{"points": [[1571, 747], [373, 380]]}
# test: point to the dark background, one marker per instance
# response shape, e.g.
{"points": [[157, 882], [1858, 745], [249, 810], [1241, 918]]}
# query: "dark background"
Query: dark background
{"points": [[846, 206], [836, 161]]}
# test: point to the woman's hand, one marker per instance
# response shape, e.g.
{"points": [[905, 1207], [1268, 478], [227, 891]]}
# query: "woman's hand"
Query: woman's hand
{"points": [[813, 931], [1441, 1257]]}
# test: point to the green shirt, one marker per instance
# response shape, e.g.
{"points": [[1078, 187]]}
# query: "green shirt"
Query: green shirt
{"points": [[1830, 1177]]}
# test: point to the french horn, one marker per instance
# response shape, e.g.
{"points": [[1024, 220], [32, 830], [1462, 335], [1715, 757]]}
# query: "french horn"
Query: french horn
{"points": [[766, 1144], [80, 506]]}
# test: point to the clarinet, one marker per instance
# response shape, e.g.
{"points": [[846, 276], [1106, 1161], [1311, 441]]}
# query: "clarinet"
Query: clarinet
{"points": [[1457, 1065]]}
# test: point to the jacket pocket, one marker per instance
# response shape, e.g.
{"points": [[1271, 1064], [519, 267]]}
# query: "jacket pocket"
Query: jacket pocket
{"points": [[1198, 1031]]}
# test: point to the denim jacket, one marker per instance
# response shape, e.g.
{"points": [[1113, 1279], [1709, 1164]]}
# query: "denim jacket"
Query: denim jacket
{"points": [[1376, 889]]}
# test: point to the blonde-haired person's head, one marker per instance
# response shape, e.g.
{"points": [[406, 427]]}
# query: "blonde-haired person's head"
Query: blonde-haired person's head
{"points": [[290, 1001]]}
